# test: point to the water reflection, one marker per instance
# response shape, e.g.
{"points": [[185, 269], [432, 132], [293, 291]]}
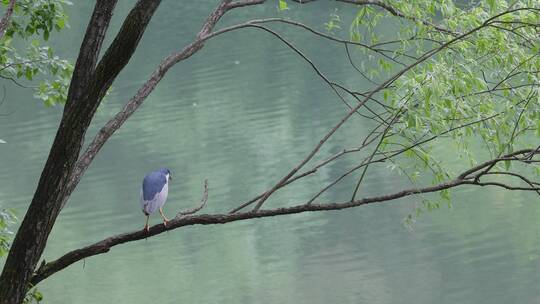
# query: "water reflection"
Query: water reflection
{"points": [[241, 114]]}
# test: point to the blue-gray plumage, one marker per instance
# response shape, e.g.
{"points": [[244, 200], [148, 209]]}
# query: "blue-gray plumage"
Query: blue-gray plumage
{"points": [[155, 188]]}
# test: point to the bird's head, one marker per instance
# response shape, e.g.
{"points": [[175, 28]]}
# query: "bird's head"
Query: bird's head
{"points": [[167, 173]]}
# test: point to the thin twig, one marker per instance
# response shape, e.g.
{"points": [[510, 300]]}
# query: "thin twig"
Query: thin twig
{"points": [[201, 204]]}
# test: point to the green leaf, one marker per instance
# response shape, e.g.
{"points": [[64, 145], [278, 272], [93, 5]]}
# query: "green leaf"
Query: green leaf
{"points": [[355, 36], [411, 121], [283, 5], [445, 194], [491, 4], [60, 23], [507, 164], [28, 73]]}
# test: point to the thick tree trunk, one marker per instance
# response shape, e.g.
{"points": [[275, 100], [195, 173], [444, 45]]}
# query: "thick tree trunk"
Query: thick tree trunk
{"points": [[88, 86], [32, 236]]}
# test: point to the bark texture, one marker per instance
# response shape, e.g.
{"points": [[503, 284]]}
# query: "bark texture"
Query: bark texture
{"points": [[88, 86]]}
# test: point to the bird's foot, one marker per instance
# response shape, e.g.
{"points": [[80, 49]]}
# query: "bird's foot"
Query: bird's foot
{"points": [[165, 222], [146, 228]]}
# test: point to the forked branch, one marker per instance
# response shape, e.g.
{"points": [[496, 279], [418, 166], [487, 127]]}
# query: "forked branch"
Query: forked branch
{"points": [[200, 206], [466, 178], [187, 217]]}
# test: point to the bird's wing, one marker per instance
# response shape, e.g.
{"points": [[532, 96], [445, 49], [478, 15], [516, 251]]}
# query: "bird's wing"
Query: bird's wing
{"points": [[152, 184], [154, 192]]}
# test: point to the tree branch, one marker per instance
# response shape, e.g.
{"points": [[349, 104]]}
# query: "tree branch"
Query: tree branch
{"points": [[123, 46], [382, 86], [31, 237], [526, 154], [103, 246], [236, 4], [184, 218], [47, 269], [366, 142], [133, 104], [200, 206], [4, 22], [400, 14], [89, 50]]}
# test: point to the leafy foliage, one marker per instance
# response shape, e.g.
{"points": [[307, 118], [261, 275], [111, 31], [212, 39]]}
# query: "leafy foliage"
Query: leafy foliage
{"points": [[282, 5], [33, 296], [333, 23], [7, 218], [482, 93], [32, 23]]}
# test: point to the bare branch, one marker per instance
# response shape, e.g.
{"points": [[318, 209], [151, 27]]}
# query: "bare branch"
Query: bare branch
{"points": [[123, 46], [17, 83], [508, 187], [186, 218], [47, 269], [133, 104], [388, 82], [386, 157], [241, 3], [370, 158], [90, 48], [200, 206], [252, 23], [519, 176], [526, 154]]}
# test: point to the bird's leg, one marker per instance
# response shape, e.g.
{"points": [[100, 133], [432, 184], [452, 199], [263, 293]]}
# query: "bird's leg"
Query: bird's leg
{"points": [[146, 225], [165, 219]]}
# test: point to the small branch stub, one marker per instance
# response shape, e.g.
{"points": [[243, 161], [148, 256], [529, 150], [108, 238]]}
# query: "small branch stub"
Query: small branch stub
{"points": [[201, 204]]}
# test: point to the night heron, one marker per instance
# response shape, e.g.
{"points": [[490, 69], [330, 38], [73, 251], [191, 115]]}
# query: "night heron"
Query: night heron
{"points": [[155, 188]]}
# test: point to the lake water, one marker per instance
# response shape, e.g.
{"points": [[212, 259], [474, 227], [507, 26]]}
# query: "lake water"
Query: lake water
{"points": [[241, 112]]}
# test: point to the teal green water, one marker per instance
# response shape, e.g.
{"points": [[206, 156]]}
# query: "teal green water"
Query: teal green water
{"points": [[240, 113]]}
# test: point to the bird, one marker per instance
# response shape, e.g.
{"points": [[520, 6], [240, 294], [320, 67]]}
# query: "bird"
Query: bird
{"points": [[154, 191]]}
